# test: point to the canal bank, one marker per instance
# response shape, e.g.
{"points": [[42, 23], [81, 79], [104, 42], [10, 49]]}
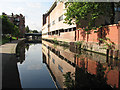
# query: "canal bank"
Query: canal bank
{"points": [[92, 47], [10, 47], [91, 70], [9, 65]]}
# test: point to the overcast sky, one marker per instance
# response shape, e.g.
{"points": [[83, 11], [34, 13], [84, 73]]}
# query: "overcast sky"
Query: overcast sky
{"points": [[31, 9]]}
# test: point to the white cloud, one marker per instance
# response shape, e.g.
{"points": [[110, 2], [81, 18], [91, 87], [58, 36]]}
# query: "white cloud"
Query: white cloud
{"points": [[27, 1], [34, 67], [31, 9]]}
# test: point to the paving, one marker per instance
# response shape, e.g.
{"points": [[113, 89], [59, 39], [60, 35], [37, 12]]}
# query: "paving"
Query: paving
{"points": [[9, 47]]}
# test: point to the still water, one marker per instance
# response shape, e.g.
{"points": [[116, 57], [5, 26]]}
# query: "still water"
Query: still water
{"points": [[33, 72], [48, 65]]}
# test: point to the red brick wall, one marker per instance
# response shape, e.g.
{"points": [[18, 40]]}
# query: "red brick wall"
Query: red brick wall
{"points": [[81, 35], [111, 32]]}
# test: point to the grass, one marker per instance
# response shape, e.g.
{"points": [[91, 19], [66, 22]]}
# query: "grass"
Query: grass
{"points": [[6, 39], [14, 38]]}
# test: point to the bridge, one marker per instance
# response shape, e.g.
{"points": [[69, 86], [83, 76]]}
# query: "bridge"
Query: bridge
{"points": [[33, 36]]}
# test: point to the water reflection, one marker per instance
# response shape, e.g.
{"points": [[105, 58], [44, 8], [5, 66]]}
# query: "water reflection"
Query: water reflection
{"points": [[80, 70], [33, 72], [20, 52]]}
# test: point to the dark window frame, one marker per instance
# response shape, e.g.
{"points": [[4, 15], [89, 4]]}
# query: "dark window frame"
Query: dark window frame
{"points": [[60, 18]]}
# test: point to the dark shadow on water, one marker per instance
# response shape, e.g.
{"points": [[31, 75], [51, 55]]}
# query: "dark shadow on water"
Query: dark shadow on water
{"points": [[10, 74]]}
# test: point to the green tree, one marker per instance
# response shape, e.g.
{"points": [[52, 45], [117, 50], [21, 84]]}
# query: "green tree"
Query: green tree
{"points": [[88, 11], [35, 31], [8, 27], [27, 29], [16, 32]]}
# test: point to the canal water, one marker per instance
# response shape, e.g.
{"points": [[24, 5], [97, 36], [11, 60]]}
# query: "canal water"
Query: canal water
{"points": [[33, 72], [46, 65]]}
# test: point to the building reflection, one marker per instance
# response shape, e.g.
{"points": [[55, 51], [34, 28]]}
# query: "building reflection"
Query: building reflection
{"points": [[85, 69], [57, 64], [109, 69]]}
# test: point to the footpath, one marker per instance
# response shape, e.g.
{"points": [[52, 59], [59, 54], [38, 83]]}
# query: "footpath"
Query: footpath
{"points": [[8, 63], [9, 48]]}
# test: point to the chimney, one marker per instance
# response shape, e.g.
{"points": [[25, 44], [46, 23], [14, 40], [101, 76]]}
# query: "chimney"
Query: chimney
{"points": [[3, 13], [12, 14]]}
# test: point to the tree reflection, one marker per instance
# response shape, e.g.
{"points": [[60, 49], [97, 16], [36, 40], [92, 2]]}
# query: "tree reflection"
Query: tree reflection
{"points": [[100, 74], [69, 82], [20, 52], [84, 79], [27, 46]]}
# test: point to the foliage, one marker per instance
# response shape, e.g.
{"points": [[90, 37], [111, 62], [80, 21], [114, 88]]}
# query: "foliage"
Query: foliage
{"points": [[69, 82], [5, 39], [16, 32], [27, 29], [64, 44], [108, 43], [88, 11], [55, 41], [35, 31], [100, 73], [79, 42], [8, 27]]}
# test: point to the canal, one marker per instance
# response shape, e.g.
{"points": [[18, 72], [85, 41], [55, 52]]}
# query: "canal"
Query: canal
{"points": [[46, 65]]}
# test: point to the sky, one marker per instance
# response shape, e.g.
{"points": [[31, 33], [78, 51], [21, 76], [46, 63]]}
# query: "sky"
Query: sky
{"points": [[31, 9]]}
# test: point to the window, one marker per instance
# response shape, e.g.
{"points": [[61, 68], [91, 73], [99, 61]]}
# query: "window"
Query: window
{"points": [[53, 61], [53, 22], [17, 19], [61, 18], [60, 68], [49, 55], [17, 24]]}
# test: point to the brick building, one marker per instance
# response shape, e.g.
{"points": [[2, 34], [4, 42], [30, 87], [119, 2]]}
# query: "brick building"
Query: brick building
{"points": [[54, 27], [18, 20]]}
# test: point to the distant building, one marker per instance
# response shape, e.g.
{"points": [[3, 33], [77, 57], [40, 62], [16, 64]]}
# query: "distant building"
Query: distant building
{"points": [[18, 20]]}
